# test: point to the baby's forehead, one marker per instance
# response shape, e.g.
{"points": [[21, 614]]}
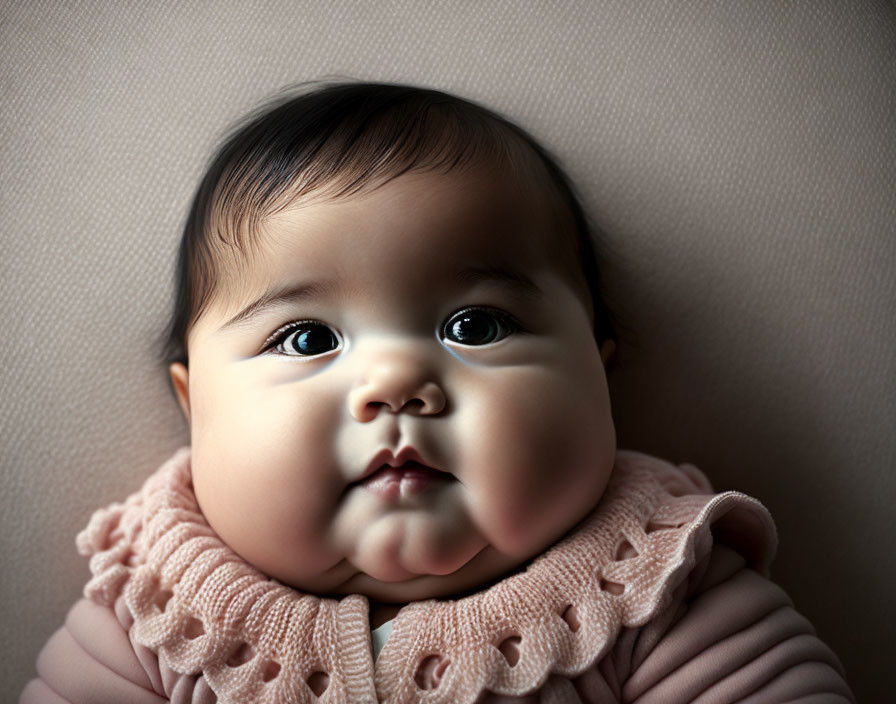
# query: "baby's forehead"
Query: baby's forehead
{"points": [[476, 211], [431, 224]]}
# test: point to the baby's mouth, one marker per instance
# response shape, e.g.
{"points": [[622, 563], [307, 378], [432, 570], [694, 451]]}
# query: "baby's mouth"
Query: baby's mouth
{"points": [[404, 475], [408, 479]]}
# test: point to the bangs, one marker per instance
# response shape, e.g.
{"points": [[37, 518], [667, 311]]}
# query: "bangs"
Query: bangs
{"points": [[339, 142]]}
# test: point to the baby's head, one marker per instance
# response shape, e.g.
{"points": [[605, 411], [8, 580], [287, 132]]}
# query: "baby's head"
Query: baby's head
{"points": [[389, 345]]}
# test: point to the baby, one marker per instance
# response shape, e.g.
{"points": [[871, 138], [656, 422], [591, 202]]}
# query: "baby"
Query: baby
{"points": [[403, 483]]}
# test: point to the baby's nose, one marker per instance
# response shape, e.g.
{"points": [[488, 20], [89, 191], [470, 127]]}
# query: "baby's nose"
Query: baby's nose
{"points": [[396, 382]]}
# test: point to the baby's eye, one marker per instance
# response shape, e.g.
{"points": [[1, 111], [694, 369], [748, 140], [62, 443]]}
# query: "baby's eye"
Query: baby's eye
{"points": [[305, 339], [478, 326]]}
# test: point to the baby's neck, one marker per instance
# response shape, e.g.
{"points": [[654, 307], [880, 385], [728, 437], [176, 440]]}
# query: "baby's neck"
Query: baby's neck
{"points": [[380, 613]]}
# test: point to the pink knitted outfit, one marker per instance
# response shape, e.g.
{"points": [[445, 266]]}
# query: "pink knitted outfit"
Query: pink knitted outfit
{"points": [[223, 625]]}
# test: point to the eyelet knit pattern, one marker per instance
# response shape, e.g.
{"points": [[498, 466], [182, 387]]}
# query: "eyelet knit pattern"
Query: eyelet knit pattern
{"points": [[203, 609]]}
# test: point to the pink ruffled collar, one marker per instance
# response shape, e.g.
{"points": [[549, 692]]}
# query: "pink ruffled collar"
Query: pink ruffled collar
{"points": [[204, 610]]}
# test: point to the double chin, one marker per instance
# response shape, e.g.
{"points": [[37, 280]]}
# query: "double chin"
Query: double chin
{"points": [[409, 545]]}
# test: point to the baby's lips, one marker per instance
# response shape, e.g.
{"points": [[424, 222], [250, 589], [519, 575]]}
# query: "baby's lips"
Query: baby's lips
{"points": [[405, 481], [386, 458]]}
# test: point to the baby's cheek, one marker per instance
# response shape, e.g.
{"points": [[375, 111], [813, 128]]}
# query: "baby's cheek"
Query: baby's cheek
{"points": [[266, 483], [538, 456], [260, 512]]}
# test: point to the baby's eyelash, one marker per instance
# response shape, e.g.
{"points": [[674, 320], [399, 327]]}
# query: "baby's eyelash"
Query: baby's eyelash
{"points": [[281, 332], [505, 317]]}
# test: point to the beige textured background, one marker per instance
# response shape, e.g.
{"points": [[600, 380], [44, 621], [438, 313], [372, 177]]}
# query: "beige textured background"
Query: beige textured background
{"points": [[741, 158]]}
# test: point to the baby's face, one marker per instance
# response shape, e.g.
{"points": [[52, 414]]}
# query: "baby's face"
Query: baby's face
{"points": [[420, 408]]}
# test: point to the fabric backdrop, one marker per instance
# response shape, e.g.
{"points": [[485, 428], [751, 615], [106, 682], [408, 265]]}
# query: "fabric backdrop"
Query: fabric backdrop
{"points": [[740, 159]]}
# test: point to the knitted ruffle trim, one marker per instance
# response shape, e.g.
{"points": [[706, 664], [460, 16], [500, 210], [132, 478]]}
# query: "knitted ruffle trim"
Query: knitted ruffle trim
{"points": [[202, 608]]}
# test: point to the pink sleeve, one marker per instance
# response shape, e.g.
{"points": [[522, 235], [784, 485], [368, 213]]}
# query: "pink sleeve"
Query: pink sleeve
{"points": [[733, 636], [90, 660]]}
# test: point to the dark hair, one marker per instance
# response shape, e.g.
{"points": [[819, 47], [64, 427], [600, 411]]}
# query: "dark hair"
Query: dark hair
{"points": [[339, 138]]}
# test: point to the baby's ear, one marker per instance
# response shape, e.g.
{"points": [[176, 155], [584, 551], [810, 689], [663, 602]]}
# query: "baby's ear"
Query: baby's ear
{"points": [[606, 351], [180, 378]]}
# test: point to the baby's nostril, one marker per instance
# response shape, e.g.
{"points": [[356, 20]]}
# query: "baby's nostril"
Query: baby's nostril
{"points": [[412, 404]]}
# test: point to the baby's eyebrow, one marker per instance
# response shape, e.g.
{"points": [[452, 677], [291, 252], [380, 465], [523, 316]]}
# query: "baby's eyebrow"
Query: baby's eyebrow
{"points": [[278, 296], [515, 281], [518, 283]]}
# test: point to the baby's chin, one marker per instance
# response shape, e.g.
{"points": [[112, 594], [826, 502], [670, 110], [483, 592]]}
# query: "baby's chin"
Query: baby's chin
{"points": [[425, 547], [484, 567], [401, 547]]}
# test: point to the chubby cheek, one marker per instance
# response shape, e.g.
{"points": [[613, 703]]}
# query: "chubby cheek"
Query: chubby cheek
{"points": [[264, 480], [539, 449]]}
